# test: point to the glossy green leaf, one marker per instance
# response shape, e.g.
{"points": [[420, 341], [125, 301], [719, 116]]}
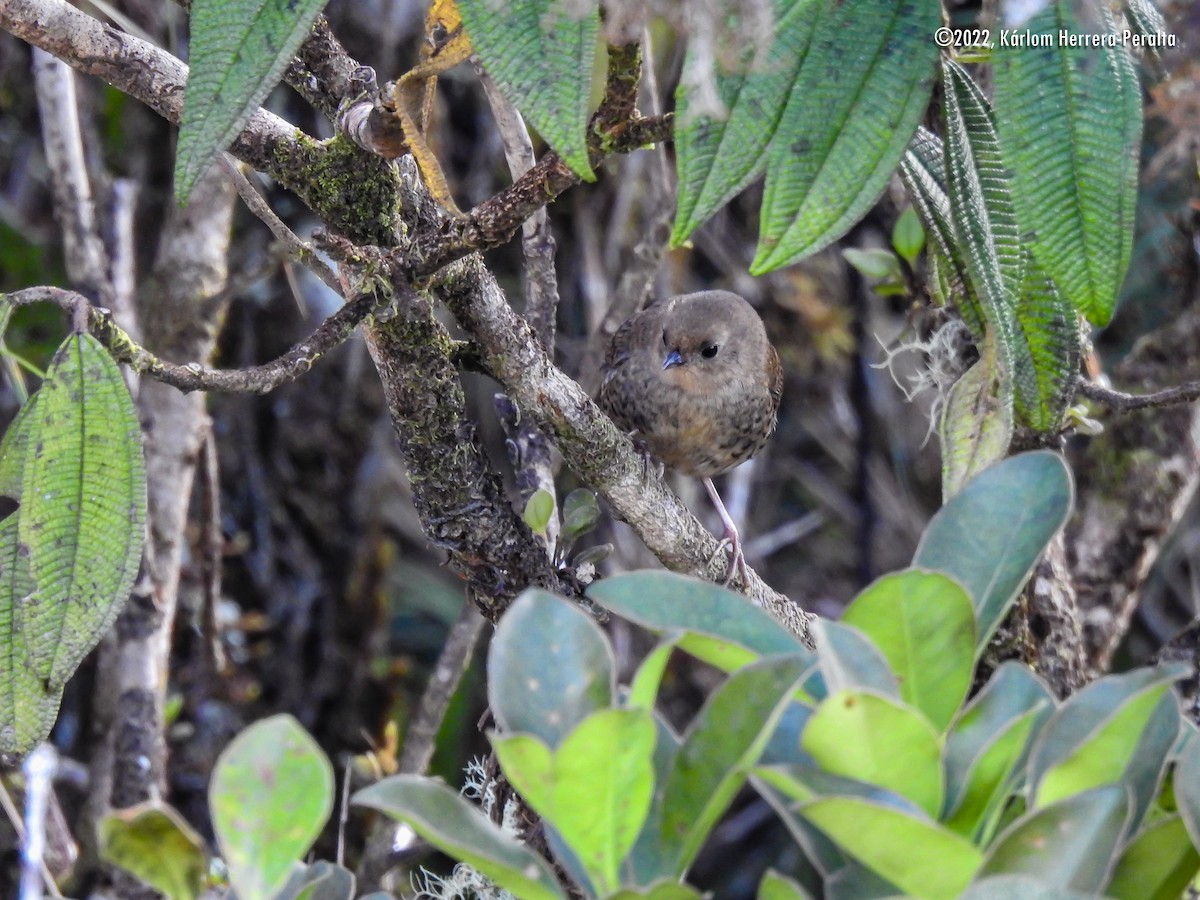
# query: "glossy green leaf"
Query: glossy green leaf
{"points": [[1069, 845], [784, 746], [1158, 865], [716, 158], [918, 856], [83, 509], [538, 510], [719, 749], [643, 690], [1070, 121], [818, 848], [723, 629], [1117, 730], [594, 790], [977, 422], [850, 661], [844, 737], [989, 744], [988, 537], [27, 708], [271, 794], [861, 91], [541, 54], [775, 886], [650, 860], [1019, 887], [153, 841], [319, 881], [549, 667], [461, 831], [924, 624], [237, 53]]}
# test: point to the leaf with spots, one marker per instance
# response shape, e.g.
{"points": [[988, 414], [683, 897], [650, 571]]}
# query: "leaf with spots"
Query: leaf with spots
{"points": [[238, 51], [83, 509], [271, 794]]}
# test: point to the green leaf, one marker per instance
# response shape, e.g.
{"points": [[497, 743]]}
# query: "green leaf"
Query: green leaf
{"points": [[83, 509], [861, 91], [461, 831], [1116, 728], [875, 263], [1019, 887], [818, 848], [27, 708], [723, 629], [1187, 788], [538, 510], [271, 794], [850, 661], [719, 749], [988, 746], [643, 690], [541, 54], [660, 890], [237, 53], [580, 513], [918, 856], [1158, 865], [320, 881], [1069, 845], [717, 158], [1046, 352], [594, 790], [988, 537], [908, 237], [153, 841], [977, 423], [1070, 123], [843, 737], [549, 667], [924, 624], [775, 886]]}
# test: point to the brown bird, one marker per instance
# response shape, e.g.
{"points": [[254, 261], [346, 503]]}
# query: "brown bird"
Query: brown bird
{"points": [[694, 379]]}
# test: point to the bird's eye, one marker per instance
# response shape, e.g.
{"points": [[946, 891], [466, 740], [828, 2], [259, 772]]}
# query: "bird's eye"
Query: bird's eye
{"points": [[708, 351]]}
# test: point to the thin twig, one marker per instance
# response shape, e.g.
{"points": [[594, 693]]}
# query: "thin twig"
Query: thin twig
{"points": [[193, 376], [1123, 402], [18, 824], [296, 249]]}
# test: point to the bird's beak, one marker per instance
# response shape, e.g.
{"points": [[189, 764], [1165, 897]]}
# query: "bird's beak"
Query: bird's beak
{"points": [[674, 358]]}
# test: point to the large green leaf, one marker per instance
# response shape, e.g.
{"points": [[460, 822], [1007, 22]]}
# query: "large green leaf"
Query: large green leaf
{"points": [[1187, 787], [843, 737], [83, 509], [27, 709], [917, 855], [154, 842], [717, 158], [850, 661], [1046, 352], [718, 751], [1157, 865], [237, 52], [977, 423], [864, 85], [924, 624], [271, 794], [1069, 845], [1070, 120], [594, 790], [989, 536], [461, 831], [541, 54], [721, 627], [549, 667]]}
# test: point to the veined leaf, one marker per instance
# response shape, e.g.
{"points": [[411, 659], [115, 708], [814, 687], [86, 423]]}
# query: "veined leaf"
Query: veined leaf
{"points": [[864, 84], [1070, 122], [717, 159], [83, 508], [1046, 352], [541, 55], [238, 51], [977, 423]]}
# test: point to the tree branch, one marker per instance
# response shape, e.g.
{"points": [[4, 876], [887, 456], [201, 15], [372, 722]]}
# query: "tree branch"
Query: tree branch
{"points": [[1122, 402]]}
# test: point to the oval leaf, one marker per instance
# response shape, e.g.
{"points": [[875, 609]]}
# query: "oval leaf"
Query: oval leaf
{"points": [[271, 794], [153, 842]]}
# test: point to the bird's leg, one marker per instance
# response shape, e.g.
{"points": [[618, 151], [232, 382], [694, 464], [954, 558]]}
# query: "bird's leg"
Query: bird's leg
{"points": [[737, 559]]}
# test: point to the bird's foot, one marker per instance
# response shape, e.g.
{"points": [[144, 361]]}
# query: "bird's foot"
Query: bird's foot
{"points": [[737, 560], [649, 463]]}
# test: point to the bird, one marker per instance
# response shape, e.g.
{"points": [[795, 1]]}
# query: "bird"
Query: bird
{"points": [[695, 381]]}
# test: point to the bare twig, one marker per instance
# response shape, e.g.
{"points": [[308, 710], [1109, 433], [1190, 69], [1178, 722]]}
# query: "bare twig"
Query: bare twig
{"points": [[1123, 402], [195, 377], [292, 244]]}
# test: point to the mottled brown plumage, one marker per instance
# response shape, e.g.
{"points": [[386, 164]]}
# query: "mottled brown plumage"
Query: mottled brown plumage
{"points": [[694, 378]]}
